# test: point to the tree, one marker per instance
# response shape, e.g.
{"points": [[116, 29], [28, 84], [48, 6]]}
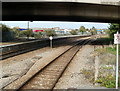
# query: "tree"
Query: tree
{"points": [[73, 32], [82, 29], [50, 32], [7, 33], [5, 28], [113, 29], [16, 31], [107, 31], [38, 35], [93, 31], [27, 33]]}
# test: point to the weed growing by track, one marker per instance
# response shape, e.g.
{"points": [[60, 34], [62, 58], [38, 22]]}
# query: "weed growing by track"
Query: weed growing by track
{"points": [[89, 74], [106, 75], [111, 50], [106, 67], [107, 81]]}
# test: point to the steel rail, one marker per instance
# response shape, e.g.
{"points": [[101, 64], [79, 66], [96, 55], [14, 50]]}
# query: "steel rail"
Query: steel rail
{"points": [[74, 49]]}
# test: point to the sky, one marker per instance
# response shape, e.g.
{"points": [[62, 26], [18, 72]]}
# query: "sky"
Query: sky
{"points": [[51, 24]]}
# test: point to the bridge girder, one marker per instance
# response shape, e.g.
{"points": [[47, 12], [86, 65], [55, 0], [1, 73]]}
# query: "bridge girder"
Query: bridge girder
{"points": [[60, 11]]}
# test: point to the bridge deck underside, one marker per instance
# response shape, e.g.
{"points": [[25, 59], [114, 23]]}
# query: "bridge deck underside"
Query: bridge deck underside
{"points": [[60, 11]]}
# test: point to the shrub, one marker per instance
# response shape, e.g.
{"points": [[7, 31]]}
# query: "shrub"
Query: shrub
{"points": [[26, 33], [38, 35], [50, 33], [113, 29], [73, 32], [7, 33]]}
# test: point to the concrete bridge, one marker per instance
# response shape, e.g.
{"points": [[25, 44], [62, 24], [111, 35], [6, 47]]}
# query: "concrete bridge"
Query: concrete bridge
{"points": [[61, 11]]}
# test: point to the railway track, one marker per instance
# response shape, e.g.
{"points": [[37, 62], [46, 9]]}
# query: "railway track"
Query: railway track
{"points": [[50, 74], [20, 48]]}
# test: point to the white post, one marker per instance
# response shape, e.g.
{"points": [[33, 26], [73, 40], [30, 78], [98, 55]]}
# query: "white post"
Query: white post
{"points": [[51, 41], [117, 66]]}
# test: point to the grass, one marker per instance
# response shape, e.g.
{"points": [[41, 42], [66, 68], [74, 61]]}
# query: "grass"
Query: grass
{"points": [[111, 50], [107, 81], [89, 74], [107, 68], [107, 41]]}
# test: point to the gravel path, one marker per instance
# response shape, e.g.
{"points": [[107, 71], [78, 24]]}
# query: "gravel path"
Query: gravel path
{"points": [[17, 66], [14, 67], [73, 77]]}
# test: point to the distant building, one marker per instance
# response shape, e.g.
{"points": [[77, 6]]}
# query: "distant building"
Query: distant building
{"points": [[21, 29], [38, 30], [100, 31], [56, 29], [59, 31], [67, 31]]}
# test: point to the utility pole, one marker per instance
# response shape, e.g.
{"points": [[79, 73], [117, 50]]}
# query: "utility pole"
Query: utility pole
{"points": [[28, 25]]}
